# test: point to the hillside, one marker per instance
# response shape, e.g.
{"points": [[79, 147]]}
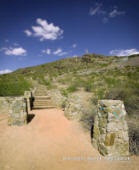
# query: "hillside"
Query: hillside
{"points": [[82, 72], [78, 83], [104, 77]]}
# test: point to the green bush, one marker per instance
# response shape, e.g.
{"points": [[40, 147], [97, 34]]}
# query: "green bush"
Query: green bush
{"points": [[111, 81], [100, 94], [88, 87], [72, 88], [64, 92]]}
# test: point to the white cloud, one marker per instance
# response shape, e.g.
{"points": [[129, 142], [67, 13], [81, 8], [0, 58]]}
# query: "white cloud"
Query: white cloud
{"points": [[44, 30], [47, 51], [18, 51], [5, 71], [115, 13], [126, 52], [58, 51], [63, 53], [97, 10], [74, 45], [94, 11], [28, 33]]}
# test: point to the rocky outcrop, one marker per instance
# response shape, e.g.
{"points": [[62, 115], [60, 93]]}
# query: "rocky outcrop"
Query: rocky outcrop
{"points": [[110, 132]]}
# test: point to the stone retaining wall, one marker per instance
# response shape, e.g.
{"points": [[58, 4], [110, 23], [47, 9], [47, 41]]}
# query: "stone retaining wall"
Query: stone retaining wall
{"points": [[5, 104], [28, 96], [16, 107]]}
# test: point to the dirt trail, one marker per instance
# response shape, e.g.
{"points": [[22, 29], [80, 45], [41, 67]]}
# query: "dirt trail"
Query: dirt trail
{"points": [[51, 142]]}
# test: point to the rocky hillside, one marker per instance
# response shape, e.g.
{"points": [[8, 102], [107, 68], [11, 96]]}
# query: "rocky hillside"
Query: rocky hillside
{"points": [[76, 84], [95, 75]]}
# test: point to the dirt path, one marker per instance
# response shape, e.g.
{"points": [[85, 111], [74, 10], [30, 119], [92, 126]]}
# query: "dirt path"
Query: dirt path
{"points": [[51, 142]]}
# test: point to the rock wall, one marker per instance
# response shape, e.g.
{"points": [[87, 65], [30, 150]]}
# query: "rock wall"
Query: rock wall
{"points": [[18, 112], [17, 108], [29, 99], [5, 104], [110, 132]]}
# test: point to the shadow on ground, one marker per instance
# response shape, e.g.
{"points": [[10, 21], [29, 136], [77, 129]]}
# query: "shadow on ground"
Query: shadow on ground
{"points": [[30, 117]]}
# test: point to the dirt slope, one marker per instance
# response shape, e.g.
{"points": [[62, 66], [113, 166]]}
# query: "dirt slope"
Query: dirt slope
{"points": [[51, 142]]}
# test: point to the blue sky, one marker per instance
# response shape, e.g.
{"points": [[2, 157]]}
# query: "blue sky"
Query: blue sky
{"points": [[33, 32]]}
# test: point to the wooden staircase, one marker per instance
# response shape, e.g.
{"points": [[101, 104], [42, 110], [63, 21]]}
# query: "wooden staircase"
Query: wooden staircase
{"points": [[42, 100]]}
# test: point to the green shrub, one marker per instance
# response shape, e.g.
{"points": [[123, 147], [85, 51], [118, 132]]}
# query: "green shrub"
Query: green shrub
{"points": [[111, 81], [100, 94], [64, 92], [72, 88], [88, 87]]}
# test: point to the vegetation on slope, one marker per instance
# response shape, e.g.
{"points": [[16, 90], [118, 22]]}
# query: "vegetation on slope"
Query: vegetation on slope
{"points": [[102, 77], [12, 85]]}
